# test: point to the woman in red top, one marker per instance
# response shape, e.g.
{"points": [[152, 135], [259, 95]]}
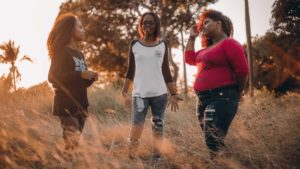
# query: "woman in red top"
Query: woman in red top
{"points": [[221, 77]]}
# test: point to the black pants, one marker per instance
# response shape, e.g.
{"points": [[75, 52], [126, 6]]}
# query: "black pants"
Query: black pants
{"points": [[216, 110], [72, 128]]}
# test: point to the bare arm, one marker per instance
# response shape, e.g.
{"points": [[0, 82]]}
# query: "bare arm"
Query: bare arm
{"points": [[129, 76], [172, 88]]}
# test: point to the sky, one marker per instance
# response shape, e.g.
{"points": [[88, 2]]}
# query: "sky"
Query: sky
{"points": [[28, 23]]}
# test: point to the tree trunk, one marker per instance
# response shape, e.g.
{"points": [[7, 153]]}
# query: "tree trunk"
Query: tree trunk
{"points": [[14, 77], [184, 66], [175, 67], [249, 47]]}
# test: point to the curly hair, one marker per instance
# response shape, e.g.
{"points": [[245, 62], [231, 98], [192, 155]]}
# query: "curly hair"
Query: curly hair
{"points": [[227, 26], [61, 33], [157, 25]]}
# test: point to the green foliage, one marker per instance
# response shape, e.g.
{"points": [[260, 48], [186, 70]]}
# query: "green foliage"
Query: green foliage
{"points": [[286, 17], [111, 25], [276, 54]]}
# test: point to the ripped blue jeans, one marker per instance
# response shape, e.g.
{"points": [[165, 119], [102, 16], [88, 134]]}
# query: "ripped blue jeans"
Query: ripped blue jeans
{"points": [[140, 108], [157, 104], [216, 110]]}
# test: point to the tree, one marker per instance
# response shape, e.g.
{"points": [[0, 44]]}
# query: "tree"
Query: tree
{"points": [[274, 67], [10, 55], [249, 47], [286, 24], [276, 54], [108, 26], [111, 25], [286, 18]]}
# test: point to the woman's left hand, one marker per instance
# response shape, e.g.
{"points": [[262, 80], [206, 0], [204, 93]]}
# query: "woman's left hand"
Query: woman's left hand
{"points": [[173, 101]]}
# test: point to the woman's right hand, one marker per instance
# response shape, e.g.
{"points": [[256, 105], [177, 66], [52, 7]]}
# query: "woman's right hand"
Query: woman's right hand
{"points": [[89, 75], [173, 102], [194, 32]]}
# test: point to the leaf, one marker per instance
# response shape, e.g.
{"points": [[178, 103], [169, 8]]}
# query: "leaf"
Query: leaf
{"points": [[111, 25], [2, 59], [26, 57], [10, 52]]}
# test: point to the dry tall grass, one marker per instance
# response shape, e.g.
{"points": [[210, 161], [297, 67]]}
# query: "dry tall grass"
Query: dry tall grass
{"points": [[265, 134]]}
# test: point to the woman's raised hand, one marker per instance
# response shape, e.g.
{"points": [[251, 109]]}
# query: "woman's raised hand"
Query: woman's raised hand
{"points": [[194, 31]]}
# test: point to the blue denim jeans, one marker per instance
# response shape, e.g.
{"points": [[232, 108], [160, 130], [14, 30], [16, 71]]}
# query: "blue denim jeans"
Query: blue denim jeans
{"points": [[140, 108], [157, 104], [216, 110]]}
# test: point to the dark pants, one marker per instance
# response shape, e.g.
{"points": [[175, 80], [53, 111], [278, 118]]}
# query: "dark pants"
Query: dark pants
{"points": [[72, 128], [216, 110]]}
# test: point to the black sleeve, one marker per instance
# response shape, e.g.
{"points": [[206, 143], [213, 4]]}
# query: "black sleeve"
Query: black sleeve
{"points": [[88, 83], [165, 66], [131, 63], [62, 70]]}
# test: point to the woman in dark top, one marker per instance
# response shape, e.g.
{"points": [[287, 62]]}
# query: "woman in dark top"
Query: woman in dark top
{"points": [[222, 73], [149, 72], [69, 77]]}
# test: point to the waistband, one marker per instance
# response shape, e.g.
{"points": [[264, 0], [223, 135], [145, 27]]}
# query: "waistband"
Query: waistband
{"points": [[216, 90]]}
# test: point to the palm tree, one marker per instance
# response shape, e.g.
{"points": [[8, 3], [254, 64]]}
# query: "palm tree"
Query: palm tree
{"points": [[10, 55]]}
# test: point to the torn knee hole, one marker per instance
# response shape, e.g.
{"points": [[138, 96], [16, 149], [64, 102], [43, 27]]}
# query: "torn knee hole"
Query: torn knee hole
{"points": [[156, 121]]}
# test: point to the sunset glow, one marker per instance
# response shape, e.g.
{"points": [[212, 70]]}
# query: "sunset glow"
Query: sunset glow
{"points": [[29, 22]]}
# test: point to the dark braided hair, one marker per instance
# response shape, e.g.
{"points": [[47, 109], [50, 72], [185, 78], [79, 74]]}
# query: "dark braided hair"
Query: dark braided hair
{"points": [[216, 16]]}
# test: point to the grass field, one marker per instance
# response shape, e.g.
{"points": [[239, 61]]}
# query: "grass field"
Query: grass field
{"points": [[265, 134]]}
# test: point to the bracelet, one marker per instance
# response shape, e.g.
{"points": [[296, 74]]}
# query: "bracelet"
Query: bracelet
{"points": [[173, 94]]}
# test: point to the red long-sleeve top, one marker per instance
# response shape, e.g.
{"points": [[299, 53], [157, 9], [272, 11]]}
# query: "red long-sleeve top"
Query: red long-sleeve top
{"points": [[218, 65]]}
